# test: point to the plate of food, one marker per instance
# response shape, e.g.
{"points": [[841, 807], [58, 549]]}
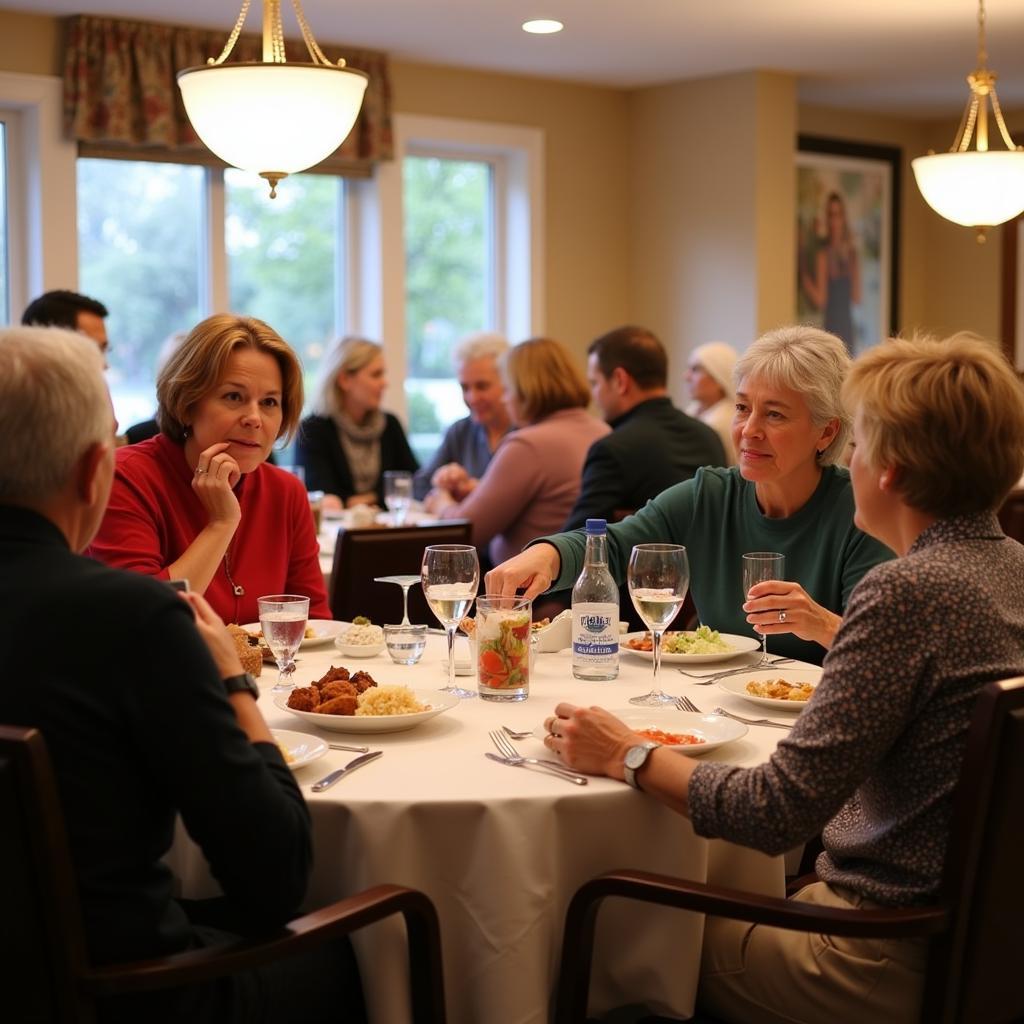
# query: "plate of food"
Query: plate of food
{"points": [[360, 639], [318, 633], [690, 647], [785, 689], [688, 733], [298, 748], [340, 702]]}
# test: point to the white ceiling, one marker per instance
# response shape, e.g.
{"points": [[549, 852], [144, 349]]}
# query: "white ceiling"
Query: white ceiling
{"points": [[898, 56]]}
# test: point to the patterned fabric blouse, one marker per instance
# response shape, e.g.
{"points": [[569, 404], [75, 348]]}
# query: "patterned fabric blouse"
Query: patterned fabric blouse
{"points": [[877, 751]]}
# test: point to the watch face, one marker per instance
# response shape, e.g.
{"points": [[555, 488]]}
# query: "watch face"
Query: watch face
{"points": [[635, 757]]}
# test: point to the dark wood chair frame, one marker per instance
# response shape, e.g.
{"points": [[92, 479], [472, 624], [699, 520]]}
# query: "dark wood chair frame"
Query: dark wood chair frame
{"points": [[975, 954], [38, 879]]}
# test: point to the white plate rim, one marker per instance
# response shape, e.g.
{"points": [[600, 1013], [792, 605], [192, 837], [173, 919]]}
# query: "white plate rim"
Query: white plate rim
{"points": [[327, 630], [684, 721], [439, 703], [286, 737], [741, 645], [736, 685]]}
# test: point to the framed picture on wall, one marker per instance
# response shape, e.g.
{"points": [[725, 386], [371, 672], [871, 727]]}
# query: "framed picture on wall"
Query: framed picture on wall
{"points": [[847, 206]]}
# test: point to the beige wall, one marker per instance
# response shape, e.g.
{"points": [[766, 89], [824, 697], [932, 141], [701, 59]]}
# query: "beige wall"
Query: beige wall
{"points": [[29, 43]]}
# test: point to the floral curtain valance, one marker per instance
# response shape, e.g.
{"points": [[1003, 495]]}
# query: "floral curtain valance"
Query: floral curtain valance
{"points": [[121, 93]]}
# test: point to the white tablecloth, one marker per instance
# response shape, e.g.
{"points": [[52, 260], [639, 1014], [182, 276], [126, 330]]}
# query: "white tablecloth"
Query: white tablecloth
{"points": [[501, 850]]}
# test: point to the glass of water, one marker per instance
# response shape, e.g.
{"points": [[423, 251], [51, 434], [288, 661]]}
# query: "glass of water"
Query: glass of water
{"points": [[405, 643], [283, 620], [398, 494]]}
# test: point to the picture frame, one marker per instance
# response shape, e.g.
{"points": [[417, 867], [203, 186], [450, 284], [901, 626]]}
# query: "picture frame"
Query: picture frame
{"points": [[847, 225]]}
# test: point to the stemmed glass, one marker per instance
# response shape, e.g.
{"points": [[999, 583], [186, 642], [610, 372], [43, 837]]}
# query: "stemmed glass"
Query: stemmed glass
{"points": [[450, 575], [283, 620], [398, 494], [405, 582], [658, 577], [759, 566]]}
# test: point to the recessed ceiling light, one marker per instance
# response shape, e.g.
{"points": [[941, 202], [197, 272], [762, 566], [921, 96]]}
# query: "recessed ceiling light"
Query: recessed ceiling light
{"points": [[542, 26]]}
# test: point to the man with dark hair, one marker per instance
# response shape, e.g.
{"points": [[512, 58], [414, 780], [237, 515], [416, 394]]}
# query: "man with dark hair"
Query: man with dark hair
{"points": [[69, 309], [653, 445]]}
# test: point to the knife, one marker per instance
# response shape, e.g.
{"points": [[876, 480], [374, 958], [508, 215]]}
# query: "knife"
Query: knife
{"points": [[345, 746], [329, 780]]}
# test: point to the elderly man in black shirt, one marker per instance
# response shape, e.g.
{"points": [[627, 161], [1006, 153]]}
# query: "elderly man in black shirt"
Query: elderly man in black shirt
{"points": [[140, 696], [653, 445]]}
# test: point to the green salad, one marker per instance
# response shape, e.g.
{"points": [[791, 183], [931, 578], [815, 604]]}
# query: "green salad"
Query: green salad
{"points": [[703, 640]]}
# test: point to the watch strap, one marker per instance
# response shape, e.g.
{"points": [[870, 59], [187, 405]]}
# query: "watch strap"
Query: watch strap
{"points": [[244, 683]]}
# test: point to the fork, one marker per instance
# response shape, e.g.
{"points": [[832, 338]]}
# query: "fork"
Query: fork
{"points": [[685, 704], [512, 756], [706, 678], [751, 721], [512, 734]]}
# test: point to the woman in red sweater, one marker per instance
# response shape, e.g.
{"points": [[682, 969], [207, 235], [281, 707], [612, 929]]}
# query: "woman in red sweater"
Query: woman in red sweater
{"points": [[199, 501]]}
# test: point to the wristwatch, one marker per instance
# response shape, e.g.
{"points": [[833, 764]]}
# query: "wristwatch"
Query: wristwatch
{"points": [[242, 684], [636, 758]]}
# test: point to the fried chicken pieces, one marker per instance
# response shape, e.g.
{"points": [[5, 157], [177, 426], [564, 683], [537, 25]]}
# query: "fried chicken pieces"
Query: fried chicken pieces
{"points": [[335, 693]]}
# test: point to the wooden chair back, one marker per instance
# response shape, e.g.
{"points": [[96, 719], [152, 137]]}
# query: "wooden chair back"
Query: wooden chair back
{"points": [[975, 960], [44, 966], [361, 554]]}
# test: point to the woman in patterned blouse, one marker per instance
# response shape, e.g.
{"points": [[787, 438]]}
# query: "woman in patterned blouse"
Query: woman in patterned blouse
{"points": [[876, 754]]}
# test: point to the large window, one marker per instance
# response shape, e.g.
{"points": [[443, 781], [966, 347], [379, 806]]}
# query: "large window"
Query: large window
{"points": [[449, 282]]}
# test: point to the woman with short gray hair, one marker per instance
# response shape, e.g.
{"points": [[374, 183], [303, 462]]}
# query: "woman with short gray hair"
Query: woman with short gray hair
{"points": [[787, 494]]}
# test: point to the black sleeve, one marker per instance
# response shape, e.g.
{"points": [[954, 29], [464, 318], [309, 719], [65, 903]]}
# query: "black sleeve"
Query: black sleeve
{"points": [[319, 452], [600, 489]]}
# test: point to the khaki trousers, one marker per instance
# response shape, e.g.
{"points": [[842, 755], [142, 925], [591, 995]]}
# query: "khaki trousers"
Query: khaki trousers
{"points": [[754, 974]]}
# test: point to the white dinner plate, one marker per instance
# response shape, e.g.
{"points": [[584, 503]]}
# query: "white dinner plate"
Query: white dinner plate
{"points": [[714, 730], [324, 631], [302, 748], [737, 684], [436, 702], [737, 645]]}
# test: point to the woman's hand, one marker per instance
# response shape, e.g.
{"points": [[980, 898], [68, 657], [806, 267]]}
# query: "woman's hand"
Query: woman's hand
{"points": [[450, 477], [780, 606], [215, 476], [533, 571], [332, 503], [589, 740], [367, 498], [218, 640], [437, 500]]}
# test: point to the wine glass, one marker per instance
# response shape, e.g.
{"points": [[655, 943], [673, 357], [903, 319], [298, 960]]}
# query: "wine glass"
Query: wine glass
{"points": [[405, 582], [283, 620], [450, 575], [759, 566], [658, 577], [398, 494]]}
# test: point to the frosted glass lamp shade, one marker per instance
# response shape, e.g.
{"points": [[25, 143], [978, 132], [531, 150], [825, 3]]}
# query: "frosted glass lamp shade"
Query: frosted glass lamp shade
{"points": [[976, 189], [265, 117]]}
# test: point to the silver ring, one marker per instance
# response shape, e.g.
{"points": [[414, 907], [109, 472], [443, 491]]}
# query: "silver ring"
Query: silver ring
{"points": [[199, 470], [782, 615]]}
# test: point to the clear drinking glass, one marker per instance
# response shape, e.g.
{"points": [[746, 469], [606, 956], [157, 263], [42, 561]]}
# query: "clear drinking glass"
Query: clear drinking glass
{"points": [[405, 643], [758, 567], [283, 620], [405, 582], [502, 647], [398, 494], [658, 578], [450, 575]]}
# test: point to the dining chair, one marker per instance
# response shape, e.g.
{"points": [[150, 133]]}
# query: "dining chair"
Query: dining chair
{"points": [[43, 961], [360, 554], [975, 957]]}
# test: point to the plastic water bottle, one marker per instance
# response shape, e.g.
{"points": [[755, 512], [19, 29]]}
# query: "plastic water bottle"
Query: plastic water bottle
{"points": [[595, 611]]}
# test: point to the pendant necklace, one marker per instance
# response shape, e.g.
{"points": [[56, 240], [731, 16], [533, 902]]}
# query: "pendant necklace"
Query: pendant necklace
{"points": [[236, 588]]}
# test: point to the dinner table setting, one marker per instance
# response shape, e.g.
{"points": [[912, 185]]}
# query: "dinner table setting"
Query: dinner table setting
{"points": [[459, 797]]}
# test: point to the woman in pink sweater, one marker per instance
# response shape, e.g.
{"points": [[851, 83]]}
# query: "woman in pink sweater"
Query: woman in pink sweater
{"points": [[534, 477]]}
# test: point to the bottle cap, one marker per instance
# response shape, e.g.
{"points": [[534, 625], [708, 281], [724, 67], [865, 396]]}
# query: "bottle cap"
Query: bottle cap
{"points": [[597, 525]]}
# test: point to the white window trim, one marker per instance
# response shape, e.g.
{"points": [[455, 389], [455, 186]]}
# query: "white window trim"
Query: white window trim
{"points": [[377, 288], [42, 192]]}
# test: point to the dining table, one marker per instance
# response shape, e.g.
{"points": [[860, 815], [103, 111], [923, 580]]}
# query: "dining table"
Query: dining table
{"points": [[499, 849]]}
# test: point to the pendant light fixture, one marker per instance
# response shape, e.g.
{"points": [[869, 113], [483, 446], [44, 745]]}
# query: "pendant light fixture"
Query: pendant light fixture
{"points": [[976, 187], [272, 117]]}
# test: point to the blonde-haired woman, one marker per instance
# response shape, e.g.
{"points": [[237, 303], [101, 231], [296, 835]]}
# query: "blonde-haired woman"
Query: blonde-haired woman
{"points": [[534, 477], [198, 501], [709, 376], [349, 441]]}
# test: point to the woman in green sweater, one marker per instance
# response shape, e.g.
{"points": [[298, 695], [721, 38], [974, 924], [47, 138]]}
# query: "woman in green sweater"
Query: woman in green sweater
{"points": [[787, 494]]}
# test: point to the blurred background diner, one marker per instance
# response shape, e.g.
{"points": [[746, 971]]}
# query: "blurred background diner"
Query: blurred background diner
{"points": [[709, 378], [198, 502], [787, 495], [349, 441]]}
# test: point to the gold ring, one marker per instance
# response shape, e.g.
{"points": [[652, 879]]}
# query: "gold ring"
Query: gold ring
{"points": [[782, 615]]}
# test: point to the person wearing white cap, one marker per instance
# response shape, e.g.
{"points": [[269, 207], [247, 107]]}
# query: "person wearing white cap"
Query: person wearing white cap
{"points": [[709, 378]]}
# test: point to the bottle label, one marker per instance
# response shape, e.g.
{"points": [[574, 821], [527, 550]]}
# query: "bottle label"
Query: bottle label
{"points": [[595, 634]]}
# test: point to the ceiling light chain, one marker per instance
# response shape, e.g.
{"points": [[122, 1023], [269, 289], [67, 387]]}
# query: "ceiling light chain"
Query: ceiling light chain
{"points": [[233, 38]]}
